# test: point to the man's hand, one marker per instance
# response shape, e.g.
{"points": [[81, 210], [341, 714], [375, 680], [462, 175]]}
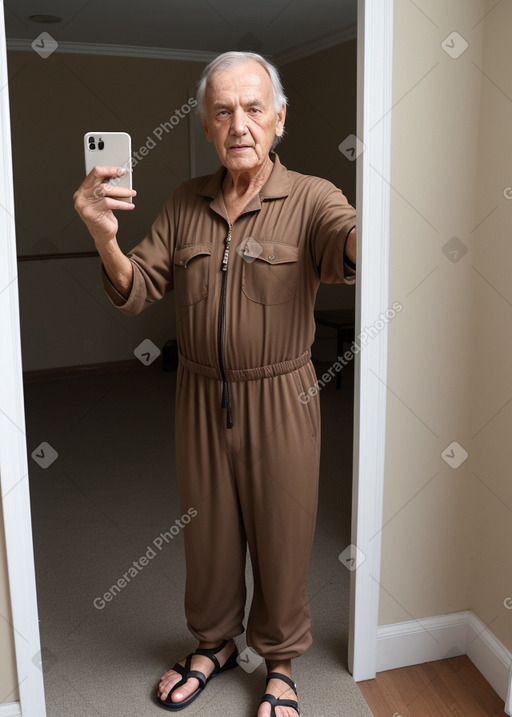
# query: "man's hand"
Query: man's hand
{"points": [[94, 201]]}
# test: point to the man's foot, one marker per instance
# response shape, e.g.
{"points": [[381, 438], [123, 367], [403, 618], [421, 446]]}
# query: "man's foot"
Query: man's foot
{"points": [[280, 690], [199, 662]]}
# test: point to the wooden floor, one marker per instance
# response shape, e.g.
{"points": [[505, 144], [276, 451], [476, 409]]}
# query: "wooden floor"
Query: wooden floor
{"points": [[452, 687]]}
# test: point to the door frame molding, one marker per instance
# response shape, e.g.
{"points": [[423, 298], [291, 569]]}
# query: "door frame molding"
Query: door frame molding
{"points": [[374, 102], [13, 449]]}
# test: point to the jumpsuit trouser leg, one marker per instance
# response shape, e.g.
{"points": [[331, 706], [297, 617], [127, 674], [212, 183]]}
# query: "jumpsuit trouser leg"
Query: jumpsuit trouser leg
{"points": [[254, 484]]}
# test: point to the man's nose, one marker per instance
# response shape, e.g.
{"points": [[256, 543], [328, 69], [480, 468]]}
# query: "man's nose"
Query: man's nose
{"points": [[238, 124]]}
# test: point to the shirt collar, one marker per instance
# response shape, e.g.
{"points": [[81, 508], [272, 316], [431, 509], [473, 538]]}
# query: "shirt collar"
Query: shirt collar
{"points": [[276, 186]]}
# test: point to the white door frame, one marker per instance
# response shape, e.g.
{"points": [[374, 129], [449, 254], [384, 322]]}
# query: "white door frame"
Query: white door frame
{"points": [[13, 451], [375, 32], [374, 99]]}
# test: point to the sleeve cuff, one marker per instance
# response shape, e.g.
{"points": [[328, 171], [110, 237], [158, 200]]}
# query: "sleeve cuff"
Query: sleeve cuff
{"points": [[116, 298], [135, 302], [350, 264]]}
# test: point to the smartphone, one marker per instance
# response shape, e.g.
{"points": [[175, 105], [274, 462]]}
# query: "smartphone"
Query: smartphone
{"points": [[110, 149]]}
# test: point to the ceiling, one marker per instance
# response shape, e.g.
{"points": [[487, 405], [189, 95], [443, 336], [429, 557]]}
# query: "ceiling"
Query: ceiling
{"points": [[276, 28]]}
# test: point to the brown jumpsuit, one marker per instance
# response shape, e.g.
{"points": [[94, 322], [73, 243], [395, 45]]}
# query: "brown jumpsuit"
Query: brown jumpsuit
{"points": [[247, 449]]}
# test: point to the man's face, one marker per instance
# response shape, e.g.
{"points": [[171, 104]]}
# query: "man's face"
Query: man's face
{"points": [[240, 118]]}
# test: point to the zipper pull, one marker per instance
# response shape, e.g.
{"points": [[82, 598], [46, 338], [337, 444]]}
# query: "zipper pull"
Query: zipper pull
{"points": [[225, 257]]}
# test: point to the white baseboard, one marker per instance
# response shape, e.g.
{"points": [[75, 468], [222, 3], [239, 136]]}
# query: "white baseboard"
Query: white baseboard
{"points": [[437, 638], [10, 709], [491, 658]]}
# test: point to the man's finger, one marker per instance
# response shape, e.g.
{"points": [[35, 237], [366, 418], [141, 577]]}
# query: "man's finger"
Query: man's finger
{"points": [[106, 189], [103, 172], [111, 203]]}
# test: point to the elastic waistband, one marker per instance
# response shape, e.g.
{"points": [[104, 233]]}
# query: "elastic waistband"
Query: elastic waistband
{"points": [[247, 374]]}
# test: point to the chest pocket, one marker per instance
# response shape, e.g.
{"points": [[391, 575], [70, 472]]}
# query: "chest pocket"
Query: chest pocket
{"points": [[271, 277], [191, 270]]}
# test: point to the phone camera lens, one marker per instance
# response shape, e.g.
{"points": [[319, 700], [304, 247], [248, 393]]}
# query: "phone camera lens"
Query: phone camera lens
{"points": [[101, 144], [92, 146], [91, 140]]}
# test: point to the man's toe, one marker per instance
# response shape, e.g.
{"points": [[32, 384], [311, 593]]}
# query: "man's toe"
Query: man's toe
{"points": [[264, 710], [183, 692]]}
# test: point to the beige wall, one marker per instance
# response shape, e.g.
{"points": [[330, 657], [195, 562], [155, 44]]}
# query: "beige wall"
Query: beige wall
{"points": [[448, 531], [8, 674], [426, 540], [491, 310]]}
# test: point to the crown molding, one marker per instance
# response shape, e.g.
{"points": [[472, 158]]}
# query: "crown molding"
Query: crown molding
{"points": [[322, 42], [90, 48]]}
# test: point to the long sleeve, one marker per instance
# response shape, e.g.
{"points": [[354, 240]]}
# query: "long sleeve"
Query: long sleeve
{"points": [[152, 267], [334, 219]]}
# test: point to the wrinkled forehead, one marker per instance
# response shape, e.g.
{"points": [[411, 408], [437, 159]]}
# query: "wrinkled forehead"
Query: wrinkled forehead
{"points": [[245, 81]]}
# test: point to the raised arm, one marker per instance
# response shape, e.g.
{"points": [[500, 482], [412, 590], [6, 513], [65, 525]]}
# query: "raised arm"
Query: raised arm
{"points": [[95, 201]]}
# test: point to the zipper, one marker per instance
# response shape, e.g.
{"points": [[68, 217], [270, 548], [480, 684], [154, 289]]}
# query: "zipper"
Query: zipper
{"points": [[221, 330]]}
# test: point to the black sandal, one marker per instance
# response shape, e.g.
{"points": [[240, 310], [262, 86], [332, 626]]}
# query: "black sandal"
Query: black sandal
{"points": [[275, 701], [186, 673]]}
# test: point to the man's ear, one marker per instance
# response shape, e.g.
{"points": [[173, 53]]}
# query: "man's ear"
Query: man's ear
{"points": [[281, 116]]}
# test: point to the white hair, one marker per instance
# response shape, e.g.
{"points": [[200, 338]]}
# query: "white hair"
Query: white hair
{"points": [[231, 59]]}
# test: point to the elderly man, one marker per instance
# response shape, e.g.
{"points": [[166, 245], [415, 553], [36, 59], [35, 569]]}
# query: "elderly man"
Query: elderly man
{"points": [[244, 250]]}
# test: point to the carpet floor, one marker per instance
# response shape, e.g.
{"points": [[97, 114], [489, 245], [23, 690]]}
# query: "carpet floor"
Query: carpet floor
{"points": [[99, 507]]}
